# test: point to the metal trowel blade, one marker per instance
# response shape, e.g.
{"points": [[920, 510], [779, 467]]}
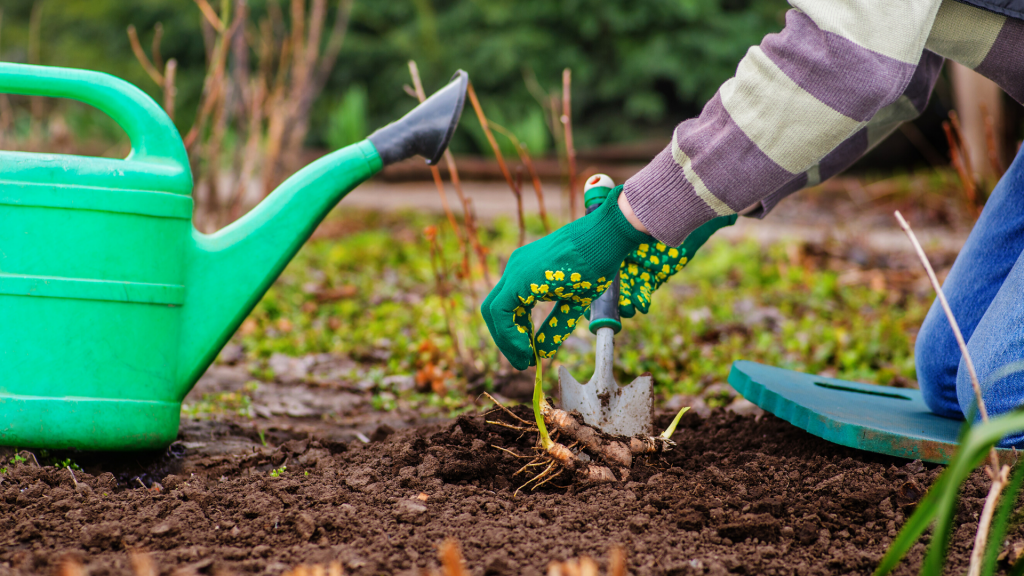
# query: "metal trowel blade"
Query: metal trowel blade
{"points": [[629, 412], [582, 398], [613, 409]]}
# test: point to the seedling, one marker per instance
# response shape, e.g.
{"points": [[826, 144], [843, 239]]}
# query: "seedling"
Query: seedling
{"points": [[667, 434], [67, 463], [18, 459], [276, 472]]}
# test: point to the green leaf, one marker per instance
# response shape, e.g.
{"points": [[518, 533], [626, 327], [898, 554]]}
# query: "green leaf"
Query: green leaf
{"points": [[538, 398], [1001, 520], [940, 502]]}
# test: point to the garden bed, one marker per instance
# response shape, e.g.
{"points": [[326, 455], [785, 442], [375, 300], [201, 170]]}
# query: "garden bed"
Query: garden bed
{"points": [[740, 494]]}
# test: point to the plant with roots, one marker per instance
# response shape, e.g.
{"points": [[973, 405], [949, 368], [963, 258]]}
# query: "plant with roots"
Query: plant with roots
{"points": [[588, 454]]}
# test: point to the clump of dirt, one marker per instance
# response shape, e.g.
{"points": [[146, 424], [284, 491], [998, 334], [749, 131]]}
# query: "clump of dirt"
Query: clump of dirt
{"points": [[739, 494]]}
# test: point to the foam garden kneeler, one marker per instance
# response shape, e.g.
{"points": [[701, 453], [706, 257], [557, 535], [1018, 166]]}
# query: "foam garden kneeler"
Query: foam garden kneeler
{"points": [[649, 266], [571, 266]]}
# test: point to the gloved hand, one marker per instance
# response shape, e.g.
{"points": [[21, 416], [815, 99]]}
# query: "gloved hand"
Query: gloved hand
{"points": [[649, 266], [573, 265]]}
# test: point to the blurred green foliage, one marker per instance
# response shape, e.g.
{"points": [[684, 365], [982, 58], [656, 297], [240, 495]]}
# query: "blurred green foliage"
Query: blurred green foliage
{"points": [[638, 67], [735, 301], [346, 123]]}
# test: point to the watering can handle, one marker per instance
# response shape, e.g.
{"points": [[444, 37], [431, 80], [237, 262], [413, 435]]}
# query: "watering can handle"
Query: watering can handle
{"points": [[153, 135]]}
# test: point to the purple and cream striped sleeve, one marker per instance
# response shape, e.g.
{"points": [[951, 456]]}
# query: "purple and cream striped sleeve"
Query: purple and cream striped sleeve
{"points": [[907, 107], [796, 98], [988, 43]]}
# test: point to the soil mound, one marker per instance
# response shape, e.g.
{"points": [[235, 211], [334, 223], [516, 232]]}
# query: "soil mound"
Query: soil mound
{"points": [[739, 494]]}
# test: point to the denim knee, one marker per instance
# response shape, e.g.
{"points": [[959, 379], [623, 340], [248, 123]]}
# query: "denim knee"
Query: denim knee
{"points": [[936, 362], [1000, 397]]}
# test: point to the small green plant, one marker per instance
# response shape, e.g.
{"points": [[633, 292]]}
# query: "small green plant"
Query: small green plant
{"points": [[384, 402], [18, 459], [263, 437], [67, 463], [346, 124], [276, 472], [3, 470], [667, 434], [306, 473]]}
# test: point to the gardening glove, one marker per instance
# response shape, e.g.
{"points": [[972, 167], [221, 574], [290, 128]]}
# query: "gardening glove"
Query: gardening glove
{"points": [[649, 266], [571, 266]]}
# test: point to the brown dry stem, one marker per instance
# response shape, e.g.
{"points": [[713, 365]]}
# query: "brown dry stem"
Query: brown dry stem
{"points": [[996, 472], [417, 84], [570, 148], [524, 157], [999, 482], [991, 145]]}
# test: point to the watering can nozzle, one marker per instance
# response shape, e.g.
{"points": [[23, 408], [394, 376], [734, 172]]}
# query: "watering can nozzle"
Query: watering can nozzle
{"points": [[425, 130]]}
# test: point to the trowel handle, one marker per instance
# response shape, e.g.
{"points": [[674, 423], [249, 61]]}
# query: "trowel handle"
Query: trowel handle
{"points": [[604, 312], [151, 131]]}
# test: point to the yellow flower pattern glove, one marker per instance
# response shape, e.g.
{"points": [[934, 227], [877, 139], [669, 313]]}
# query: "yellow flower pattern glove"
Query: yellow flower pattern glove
{"points": [[571, 267], [649, 266]]}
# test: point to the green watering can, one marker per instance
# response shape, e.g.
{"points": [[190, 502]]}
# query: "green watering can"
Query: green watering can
{"points": [[112, 304]]}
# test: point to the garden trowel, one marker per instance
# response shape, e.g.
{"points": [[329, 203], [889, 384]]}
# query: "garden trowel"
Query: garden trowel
{"points": [[621, 410]]}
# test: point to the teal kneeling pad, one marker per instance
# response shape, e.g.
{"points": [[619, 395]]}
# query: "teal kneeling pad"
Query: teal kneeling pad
{"points": [[882, 419]]}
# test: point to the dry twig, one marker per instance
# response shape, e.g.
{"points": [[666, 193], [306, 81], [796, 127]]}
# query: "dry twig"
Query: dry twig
{"points": [[991, 144], [960, 165], [414, 72], [524, 157], [997, 473], [570, 149]]}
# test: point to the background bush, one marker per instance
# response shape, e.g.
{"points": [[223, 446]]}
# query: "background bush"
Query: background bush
{"points": [[638, 67]]}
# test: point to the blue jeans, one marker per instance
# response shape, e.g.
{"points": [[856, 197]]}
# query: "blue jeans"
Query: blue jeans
{"points": [[985, 290]]}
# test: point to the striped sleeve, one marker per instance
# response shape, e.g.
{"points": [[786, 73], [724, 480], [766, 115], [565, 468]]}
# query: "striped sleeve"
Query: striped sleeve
{"points": [[988, 43], [798, 96], [984, 41], [908, 106]]}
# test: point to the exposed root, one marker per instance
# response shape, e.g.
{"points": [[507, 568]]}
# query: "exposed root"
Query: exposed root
{"points": [[612, 451], [506, 410], [650, 444], [617, 452]]}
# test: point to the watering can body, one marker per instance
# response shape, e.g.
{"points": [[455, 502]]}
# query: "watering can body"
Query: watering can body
{"points": [[112, 304]]}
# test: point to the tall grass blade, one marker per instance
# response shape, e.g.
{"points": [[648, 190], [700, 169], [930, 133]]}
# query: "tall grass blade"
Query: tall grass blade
{"points": [[1001, 521], [945, 513], [940, 502]]}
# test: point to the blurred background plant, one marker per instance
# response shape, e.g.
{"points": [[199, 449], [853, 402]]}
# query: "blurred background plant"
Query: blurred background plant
{"points": [[258, 88], [638, 67]]}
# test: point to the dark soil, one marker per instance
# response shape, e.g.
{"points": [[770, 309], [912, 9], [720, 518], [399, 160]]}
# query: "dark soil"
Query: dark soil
{"points": [[740, 494]]}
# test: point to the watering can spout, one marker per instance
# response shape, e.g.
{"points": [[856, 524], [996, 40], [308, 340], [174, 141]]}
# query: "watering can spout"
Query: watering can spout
{"points": [[229, 271], [426, 130]]}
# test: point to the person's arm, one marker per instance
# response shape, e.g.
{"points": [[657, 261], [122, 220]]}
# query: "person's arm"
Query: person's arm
{"points": [[986, 42], [795, 98]]}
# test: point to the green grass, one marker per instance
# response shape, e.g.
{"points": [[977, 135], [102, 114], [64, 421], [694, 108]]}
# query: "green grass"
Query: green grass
{"points": [[393, 323], [222, 403]]}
